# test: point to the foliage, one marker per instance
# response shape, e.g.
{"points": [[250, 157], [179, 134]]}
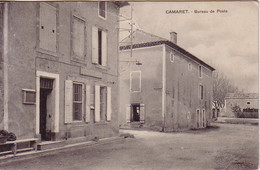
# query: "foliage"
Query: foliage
{"points": [[221, 86], [10, 136]]}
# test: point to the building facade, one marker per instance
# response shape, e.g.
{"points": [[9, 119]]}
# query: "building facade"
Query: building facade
{"points": [[240, 100], [162, 86], [59, 69]]}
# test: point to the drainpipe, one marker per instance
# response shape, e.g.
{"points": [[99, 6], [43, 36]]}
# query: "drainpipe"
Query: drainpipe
{"points": [[5, 63], [163, 85]]}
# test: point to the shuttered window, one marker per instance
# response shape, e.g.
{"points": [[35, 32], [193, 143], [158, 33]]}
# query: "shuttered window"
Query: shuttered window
{"points": [[135, 81], [103, 103], [48, 27], [78, 37], [99, 46]]}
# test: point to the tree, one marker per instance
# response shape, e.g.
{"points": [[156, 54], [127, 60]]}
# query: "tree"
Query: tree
{"points": [[221, 86]]}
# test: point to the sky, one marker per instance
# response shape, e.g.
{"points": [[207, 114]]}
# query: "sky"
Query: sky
{"points": [[226, 40]]}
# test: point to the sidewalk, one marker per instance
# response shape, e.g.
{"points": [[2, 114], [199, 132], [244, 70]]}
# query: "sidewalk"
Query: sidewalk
{"points": [[33, 154], [237, 120]]}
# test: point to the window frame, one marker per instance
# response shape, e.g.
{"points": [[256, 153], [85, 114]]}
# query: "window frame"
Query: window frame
{"points": [[140, 81], [78, 102], [100, 16]]}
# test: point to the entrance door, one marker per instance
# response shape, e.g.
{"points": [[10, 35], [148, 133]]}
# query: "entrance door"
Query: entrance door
{"points": [[46, 108], [136, 113]]}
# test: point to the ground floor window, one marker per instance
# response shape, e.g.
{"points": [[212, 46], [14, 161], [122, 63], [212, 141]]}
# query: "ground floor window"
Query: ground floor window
{"points": [[103, 107], [77, 101]]}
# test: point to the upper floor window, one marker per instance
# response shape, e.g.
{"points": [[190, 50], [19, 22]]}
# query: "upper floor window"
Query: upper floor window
{"points": [[172, 57], [48, 27], [200, 71], [135, 81], [189, 66], [102, 5], [201, 92], [99, 46], [78, 37]]}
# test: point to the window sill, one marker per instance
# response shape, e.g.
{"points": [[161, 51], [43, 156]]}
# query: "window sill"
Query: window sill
{"points": [[102, 123], [43, 51], [103, 18], [101, 67]]}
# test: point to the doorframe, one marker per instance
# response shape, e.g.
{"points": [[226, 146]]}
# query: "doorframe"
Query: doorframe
{"points": [[56, 91]]}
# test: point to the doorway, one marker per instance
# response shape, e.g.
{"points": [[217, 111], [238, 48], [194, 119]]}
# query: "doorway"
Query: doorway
{"points": [[46, 86], [135, 113]]}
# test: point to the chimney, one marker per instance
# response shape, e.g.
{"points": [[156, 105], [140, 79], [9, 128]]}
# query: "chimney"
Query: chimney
{"points": [[173, 36]]}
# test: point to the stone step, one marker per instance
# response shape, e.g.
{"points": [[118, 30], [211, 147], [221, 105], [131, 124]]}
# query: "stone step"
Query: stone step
{"points": [[50, 145]]}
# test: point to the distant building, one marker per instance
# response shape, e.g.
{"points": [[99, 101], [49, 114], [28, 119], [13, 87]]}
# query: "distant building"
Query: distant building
{"points": [[59, 69], [162, 86], [241, 100]]}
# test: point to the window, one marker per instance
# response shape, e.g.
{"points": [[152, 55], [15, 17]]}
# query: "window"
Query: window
{"points": [[172, 57], [248, 103], [99, 46], [77, 101], [48, 27], [102, 9], [78, 37], [135, 81], [198, 118], [189, 66], [201, 92], [200, 71], [103, 107], [29, 96], [103, 103]]}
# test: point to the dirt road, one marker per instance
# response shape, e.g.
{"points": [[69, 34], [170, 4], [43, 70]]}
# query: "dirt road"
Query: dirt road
{"points": [[228, 146]]}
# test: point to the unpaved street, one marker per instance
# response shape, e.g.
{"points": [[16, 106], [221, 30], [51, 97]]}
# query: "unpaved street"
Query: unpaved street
{"points": [[228, 146]]}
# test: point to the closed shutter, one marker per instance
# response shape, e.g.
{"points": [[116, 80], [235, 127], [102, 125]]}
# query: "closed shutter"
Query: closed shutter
{"points": [[95, 45], [68, 101], [97, 103], [48, 24], [109, 104], [142, 113], [87, 116], [78, 37], [128, 113], [104, 48]]}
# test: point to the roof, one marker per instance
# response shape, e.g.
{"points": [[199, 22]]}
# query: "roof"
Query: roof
{"points": [[121, 3], [144, 39], [241, 96]]}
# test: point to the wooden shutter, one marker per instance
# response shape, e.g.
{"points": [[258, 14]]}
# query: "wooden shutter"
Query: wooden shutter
{"points": [[142, 113], [68, 101], [128, 113], [48, 24], [87, 116], [97, 103], [109, 104], [95, 45], [104, 48], [78, 39]]}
